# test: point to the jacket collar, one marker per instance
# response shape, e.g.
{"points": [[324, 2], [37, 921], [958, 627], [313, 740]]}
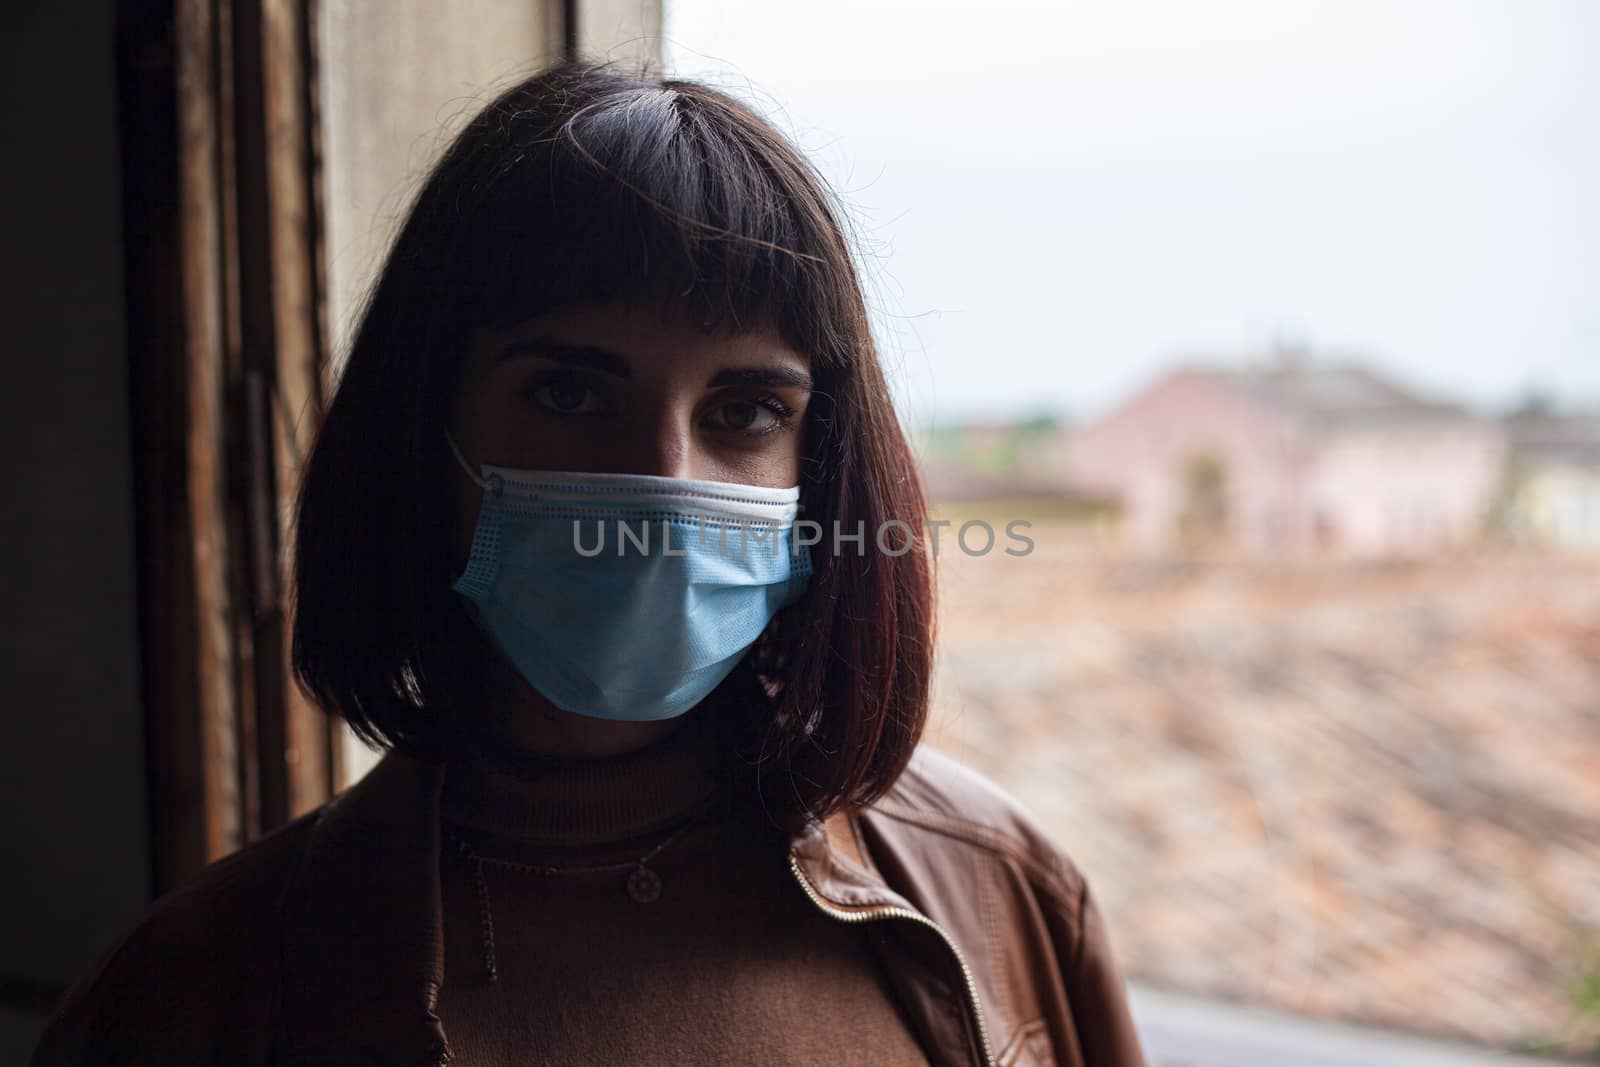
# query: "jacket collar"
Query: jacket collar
{"points": [[355, 992]]}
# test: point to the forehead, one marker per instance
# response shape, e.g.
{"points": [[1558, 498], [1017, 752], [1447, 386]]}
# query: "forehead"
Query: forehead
{"points": [[651, 339]]}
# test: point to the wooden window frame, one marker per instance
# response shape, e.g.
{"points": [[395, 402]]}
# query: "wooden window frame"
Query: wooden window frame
{"points": [[226, 343]]}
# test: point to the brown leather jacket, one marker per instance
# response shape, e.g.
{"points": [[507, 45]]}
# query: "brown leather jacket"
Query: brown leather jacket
{"points": [[321, 943]]}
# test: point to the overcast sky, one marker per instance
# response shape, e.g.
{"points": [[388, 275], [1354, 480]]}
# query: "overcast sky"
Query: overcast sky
{"points": [[1056, 199]]}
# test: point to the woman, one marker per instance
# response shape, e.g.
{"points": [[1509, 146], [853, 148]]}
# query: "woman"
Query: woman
{"points": [[642, 800]]}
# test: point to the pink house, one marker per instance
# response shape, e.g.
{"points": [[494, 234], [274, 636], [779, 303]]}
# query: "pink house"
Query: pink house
{"points": [[1292, 456]]}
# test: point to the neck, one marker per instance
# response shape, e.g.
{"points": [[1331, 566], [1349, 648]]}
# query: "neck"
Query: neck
{"points": [[554, 800]]}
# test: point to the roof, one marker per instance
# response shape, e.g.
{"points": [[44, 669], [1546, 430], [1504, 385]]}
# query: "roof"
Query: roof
{"points": [[1327, 397], [1549, 438], [1356, 791]]}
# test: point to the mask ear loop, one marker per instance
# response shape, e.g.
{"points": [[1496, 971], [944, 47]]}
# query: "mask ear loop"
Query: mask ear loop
{"points": [[492, 483]]}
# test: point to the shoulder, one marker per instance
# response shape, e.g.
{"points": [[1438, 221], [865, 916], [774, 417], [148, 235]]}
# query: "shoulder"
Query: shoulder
{"points": [[229, 894], [954, 814], [217, 912], [969, 854], [196, 960]]}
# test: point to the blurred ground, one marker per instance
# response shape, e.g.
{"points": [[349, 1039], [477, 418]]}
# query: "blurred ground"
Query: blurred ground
{"points": [[1355, 791]]}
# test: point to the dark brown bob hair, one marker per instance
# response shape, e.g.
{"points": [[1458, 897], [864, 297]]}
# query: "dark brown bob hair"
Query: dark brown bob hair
{"points": [[586, 183]]}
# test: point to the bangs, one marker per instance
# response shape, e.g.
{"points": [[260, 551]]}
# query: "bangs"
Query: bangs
{"points": [[657, 196]]}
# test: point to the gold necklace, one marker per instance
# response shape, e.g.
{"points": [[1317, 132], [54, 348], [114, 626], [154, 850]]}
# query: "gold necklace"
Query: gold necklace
{"points": [[643, 885]]}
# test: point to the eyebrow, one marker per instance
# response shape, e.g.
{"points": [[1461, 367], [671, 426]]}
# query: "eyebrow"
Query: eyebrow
{"points": [[599, 359], [609, 362], [770, 376]]}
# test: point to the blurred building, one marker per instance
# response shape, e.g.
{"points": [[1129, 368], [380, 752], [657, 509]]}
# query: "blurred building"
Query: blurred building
{"points": [[1292, 456], [1553, 498], [993, 459]]}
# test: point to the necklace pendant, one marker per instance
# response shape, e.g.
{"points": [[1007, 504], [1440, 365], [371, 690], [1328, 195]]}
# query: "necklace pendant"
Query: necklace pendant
{"points": [[644, 885]]}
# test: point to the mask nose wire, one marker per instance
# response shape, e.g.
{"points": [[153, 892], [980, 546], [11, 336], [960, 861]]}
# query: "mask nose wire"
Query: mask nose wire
{"points": [[484, 483], [455, 450]]}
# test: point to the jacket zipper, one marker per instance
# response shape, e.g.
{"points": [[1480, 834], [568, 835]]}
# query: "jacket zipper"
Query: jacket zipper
{"points": [[890, 911]]}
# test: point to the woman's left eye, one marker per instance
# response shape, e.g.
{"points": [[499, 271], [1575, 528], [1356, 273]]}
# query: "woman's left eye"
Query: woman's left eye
{"points": [[751, 416]]}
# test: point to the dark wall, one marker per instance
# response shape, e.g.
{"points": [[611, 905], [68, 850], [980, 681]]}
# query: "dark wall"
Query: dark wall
{"points": [[72, 793]]}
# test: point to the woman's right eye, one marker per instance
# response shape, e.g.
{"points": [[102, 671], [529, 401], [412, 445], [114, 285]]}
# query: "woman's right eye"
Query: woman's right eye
{"points": [[566, 395]]}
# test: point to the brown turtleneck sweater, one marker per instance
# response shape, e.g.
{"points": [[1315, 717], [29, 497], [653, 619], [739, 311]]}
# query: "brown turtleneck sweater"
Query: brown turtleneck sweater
{"points": [[731, 963]]}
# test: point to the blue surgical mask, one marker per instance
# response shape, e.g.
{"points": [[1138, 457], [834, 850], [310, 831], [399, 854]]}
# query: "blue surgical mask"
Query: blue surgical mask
{"points": [[626, 596]]}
